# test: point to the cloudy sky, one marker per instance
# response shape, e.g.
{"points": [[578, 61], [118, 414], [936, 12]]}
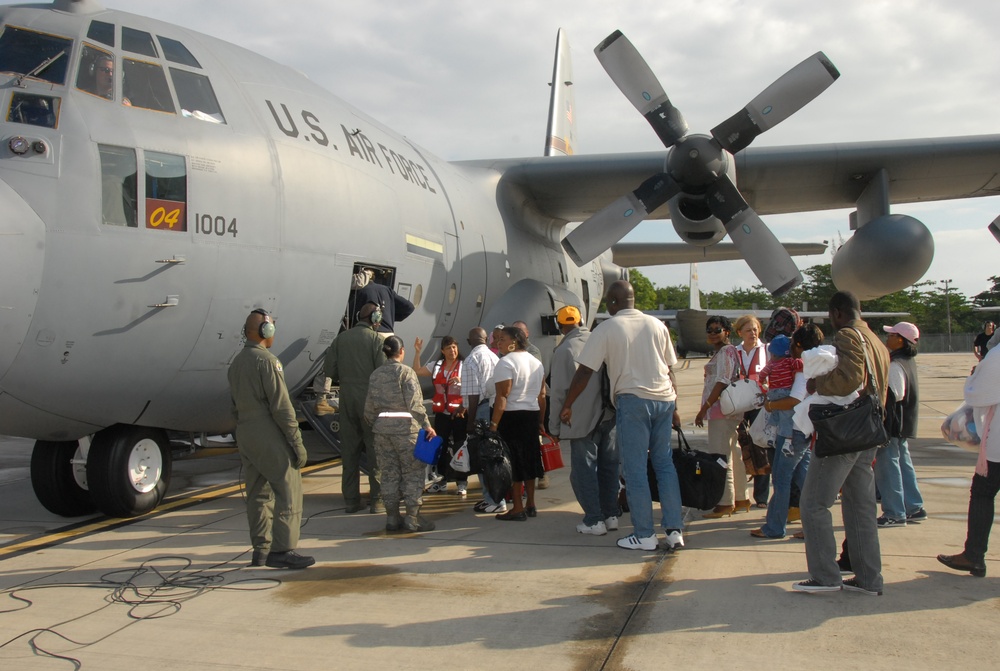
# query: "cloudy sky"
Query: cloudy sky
{"points": [[470, 80]]}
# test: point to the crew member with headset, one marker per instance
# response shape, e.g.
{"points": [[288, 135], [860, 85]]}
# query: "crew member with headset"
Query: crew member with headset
{"points": [[270, 447], [351, 359]]}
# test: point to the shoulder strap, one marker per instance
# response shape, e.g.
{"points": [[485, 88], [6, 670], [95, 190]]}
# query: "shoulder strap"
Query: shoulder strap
{"points": [[869, 379]]}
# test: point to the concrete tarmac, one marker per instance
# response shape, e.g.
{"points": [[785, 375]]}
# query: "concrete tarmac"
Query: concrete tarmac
{"points": [[173, 590]]}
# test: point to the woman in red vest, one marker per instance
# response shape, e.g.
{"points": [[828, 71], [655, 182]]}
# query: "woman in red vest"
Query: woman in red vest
{"points": [[446, 374]]}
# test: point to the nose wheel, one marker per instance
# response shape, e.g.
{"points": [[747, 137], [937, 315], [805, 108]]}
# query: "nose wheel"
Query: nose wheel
{"points": [[59, 476], [128, 470]]}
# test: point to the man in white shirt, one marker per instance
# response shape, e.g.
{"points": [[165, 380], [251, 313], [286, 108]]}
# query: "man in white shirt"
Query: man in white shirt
{"points": [[477, 370], [639, 353]]}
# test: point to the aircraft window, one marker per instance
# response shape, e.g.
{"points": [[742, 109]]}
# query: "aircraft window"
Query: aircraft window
{"points": [[138, 42], [118, 186], [33, 109], [103, 32], [38, 55], [166, 192], [196, 96], [97, 72], [176, 52], [144, 85]]}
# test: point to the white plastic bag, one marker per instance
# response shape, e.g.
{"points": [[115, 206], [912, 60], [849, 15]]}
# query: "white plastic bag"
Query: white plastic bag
{"points": [[762, 432], [460, 459], [959, 428]]}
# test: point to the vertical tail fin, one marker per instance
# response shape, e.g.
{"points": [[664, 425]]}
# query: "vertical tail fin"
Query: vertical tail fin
{"points": [[694, 301], [560, 136]]}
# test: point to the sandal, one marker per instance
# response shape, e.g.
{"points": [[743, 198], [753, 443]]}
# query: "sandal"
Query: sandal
{"points": [[801, 535], [759, 533]]}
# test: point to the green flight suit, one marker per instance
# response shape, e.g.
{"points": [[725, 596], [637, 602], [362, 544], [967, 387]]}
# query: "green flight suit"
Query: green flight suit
{"points": [[270, 447], [351, 359]]}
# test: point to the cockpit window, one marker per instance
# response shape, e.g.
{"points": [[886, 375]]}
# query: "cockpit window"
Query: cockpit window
{"points": [[166, 192], [33, 109], [144, 85], [196, 96], [103, 32], [138, 42], [118, 186], [176, 52], [97, 72], [37, 55]]}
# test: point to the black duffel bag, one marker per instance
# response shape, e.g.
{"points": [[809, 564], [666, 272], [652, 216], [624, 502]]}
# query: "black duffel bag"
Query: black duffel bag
{"points": [[701, 475]]}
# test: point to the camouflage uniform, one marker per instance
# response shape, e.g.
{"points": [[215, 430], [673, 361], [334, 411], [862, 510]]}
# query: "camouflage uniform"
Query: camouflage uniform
{"points": [[350, 361], [395, 389], [270, 447]]}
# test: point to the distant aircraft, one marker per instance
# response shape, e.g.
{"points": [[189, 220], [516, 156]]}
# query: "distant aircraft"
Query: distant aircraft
{"points": [[158, 184], [689, 322]]}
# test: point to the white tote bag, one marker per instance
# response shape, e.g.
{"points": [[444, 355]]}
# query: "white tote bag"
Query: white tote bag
{"points": [[762, 432]]}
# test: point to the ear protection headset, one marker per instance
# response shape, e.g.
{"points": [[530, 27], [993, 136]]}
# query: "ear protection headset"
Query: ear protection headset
{"points": [[266, 328], [375, 317]]}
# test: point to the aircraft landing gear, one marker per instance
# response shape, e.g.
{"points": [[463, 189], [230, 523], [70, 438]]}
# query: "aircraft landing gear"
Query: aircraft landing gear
{"points": [[128, 469], [59, 476]]}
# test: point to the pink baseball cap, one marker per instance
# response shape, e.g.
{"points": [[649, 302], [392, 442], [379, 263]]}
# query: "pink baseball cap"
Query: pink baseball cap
{"points": [[909, 331]]}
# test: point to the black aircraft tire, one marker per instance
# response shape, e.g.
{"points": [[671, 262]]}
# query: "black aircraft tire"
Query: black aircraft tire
{"points": [[53, 481], [128, 470]]}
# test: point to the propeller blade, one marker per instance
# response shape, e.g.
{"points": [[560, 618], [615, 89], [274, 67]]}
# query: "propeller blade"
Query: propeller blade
{"points": [[596, 235], [629, 71], [786, 96], [767, 258]]}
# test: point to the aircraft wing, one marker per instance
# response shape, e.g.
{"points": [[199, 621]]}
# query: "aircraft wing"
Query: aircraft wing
{"points": [[638, 254], [773, 180]]}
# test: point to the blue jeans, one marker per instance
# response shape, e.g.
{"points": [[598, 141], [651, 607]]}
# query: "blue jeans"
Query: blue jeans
{"points": [[896, 480], [644, 428], [594, 473], [784, 471], [851, 474]]}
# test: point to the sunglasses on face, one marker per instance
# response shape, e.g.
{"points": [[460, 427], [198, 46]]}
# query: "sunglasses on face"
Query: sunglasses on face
{"points": [[713, 331]]}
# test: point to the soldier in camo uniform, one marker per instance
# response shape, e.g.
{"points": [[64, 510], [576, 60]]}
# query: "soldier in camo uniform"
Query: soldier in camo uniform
{"points": [[394, 408]]}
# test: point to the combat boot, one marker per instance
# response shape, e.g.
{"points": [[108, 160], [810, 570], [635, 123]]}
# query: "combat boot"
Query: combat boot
{"points": [[415, 521], [393, 520]]}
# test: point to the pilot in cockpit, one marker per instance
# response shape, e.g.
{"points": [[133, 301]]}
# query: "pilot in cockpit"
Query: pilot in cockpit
{"points": [[104, 76]]}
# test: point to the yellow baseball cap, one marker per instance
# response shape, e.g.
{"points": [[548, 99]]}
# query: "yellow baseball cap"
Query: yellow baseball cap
{"points": [[568, 315]]}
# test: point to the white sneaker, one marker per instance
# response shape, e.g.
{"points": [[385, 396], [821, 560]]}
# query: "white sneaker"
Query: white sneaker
{"points": [[463, 490], [611, 523], [438, 487], [632, 542], [597, 529], [674, 540], [496, 508]]}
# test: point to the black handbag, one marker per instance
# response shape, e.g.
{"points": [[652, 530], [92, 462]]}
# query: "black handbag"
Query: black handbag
{"points": [[857, 426]]}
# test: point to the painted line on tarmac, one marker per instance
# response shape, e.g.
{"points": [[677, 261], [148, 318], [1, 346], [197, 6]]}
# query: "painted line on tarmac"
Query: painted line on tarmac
{"points": [[81, 529]]}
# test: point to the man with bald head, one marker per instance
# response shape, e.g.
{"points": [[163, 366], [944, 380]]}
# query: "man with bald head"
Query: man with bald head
{"points": [[638, 353], [270, 447], [477, 392], [351, 359]]}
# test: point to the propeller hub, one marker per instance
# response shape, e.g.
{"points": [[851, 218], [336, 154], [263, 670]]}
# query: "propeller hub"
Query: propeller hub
{"points": [[696, 161]]}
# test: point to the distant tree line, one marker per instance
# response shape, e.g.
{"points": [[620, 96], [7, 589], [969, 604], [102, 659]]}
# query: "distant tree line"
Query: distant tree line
{"points": [[927, 302]]}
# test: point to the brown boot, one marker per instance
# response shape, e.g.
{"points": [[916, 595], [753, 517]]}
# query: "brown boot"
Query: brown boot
{"points": [[324, 408]]}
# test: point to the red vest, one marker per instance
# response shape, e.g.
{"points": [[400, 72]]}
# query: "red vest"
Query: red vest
{"points": [[447, 388]]}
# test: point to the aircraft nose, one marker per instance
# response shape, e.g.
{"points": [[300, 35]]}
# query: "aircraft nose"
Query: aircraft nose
{"points": [[22, 249]]}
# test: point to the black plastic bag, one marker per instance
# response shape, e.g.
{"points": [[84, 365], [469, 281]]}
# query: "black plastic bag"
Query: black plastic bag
{"points": [[494, 464]]}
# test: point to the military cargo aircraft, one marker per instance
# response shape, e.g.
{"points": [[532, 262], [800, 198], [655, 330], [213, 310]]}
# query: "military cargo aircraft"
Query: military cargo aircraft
{"points": [[157, 184]]}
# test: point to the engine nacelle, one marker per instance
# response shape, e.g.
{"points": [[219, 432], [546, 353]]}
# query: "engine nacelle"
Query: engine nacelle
{"points": [[885, 255], [693, 221]]}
